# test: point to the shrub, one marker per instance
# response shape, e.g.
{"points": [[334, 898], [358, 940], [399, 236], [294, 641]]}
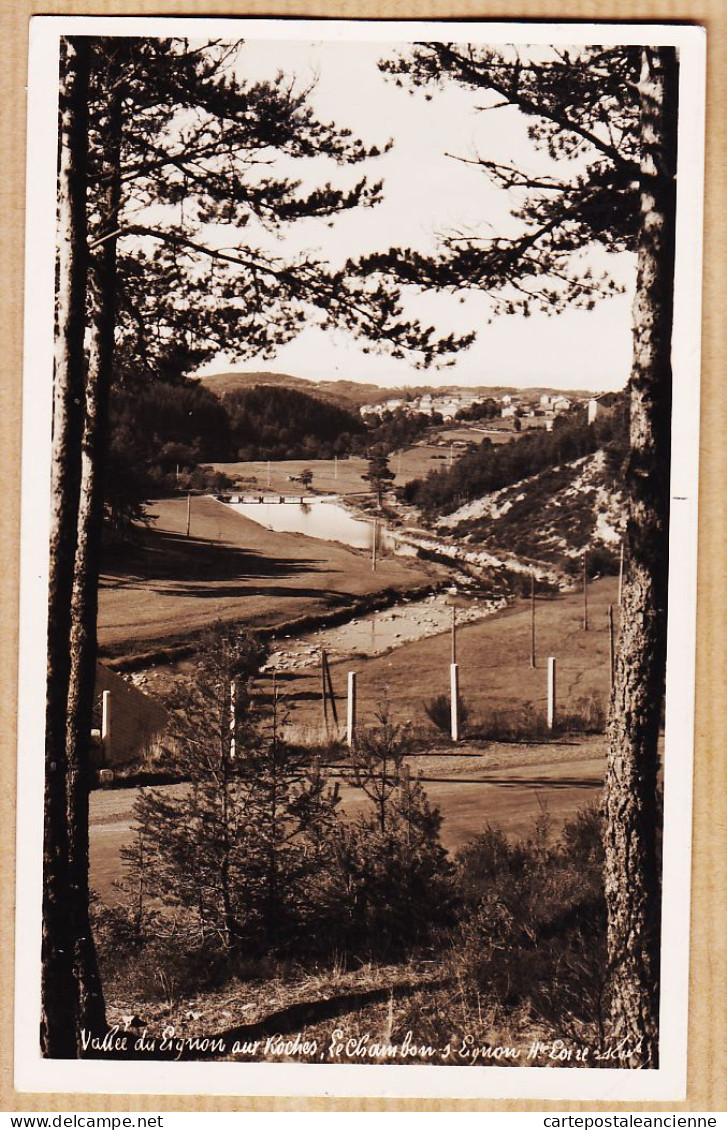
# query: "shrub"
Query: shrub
{"points": [[533, 924], [389, 885], [391, 891], [439, 711], [586, 716]]}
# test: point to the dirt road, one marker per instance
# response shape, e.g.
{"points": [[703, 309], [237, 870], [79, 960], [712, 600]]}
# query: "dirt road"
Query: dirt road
{"points": [[497, 784]]}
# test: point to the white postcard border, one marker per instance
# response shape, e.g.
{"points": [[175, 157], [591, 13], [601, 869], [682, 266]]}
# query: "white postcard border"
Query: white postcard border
{"points": [[32, 1072]]}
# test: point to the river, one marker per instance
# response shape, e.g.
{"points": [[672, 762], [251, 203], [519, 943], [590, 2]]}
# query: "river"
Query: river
{"points": [[322, 517]]}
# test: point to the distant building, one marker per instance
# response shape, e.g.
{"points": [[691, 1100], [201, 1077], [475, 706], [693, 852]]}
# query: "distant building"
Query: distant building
{"points": [[599, 406]]}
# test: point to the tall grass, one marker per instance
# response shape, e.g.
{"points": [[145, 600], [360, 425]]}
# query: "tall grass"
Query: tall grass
{"points": [[586, 716]]}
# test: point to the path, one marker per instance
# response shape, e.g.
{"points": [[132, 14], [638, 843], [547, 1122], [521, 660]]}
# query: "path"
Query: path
{"points": [[497, 784]]}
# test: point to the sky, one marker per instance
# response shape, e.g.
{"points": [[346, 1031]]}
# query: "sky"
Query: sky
{"points": [[427, 191]]}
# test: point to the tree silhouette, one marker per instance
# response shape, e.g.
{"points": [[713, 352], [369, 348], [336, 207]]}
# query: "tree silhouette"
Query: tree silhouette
{"points": [[161, 147], [607, 116]]}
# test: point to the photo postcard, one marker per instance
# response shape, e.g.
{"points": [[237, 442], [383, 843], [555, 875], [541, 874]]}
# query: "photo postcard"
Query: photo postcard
{"points": [[359, 525]]}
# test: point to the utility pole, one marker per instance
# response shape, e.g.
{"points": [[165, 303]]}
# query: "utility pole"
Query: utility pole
{"points": [[532, 619], [189, 511], [454, 634], [585, 590], [329, 686], [621, 574], [611, 654], [374, 534]]}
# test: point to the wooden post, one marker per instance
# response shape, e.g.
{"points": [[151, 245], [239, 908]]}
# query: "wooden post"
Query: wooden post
{"points": [[335, 467], [268, 476], [621, 574], [106, 724], [532, 619], [454, 635], [324, 692], [585, 590], [374, 532], [611, 656], [454, 699], [189, 510], [551, 692], [351, 711], [329, 686]]}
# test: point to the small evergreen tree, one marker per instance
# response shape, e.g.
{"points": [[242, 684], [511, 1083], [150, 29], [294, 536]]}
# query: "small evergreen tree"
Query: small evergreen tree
{"points": [[237, 851], [392, 882], [379, 474]]}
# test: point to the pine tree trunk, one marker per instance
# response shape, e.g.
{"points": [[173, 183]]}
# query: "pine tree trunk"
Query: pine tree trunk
{"points": [[632, 810], [58, 988], [84, 611]]}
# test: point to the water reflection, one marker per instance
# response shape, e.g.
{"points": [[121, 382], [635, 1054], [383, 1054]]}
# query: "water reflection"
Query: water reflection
{"points": [[323, 518]]}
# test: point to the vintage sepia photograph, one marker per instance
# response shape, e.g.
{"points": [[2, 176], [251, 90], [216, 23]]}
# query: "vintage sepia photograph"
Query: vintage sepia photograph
{"points": [[359, 553]]}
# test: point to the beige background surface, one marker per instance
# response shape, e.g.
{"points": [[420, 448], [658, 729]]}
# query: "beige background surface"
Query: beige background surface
{"points": [[708, 982]]}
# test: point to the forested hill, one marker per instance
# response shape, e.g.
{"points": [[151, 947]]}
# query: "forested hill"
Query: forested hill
{"points": [[272, 422], [347, 394]]}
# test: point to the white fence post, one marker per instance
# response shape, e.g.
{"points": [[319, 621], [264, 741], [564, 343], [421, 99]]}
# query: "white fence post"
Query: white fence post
{"points": [[351, 715], [454, 699], [551, 692], [106, 723]]}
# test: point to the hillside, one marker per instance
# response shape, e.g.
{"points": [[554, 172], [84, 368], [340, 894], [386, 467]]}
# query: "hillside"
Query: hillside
{"points": [[347, 394], [356, 393], [551, 516]]}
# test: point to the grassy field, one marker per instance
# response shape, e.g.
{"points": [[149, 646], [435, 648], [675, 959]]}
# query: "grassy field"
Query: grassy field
{"points": [[344, 476], [478, 782], [165, 586], [494, 664]]}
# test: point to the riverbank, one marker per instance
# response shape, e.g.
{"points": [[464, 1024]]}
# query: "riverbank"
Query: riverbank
{"points": [[495, 672], [165, 589]]}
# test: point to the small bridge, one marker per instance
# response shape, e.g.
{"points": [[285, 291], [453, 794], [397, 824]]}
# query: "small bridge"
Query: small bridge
{"points": [[271, 499]]}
